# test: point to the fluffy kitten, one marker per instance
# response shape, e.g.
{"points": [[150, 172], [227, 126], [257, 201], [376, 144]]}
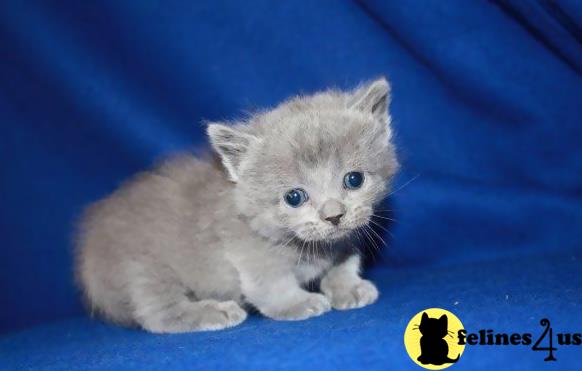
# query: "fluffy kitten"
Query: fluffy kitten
{"points": [[187, 246]]}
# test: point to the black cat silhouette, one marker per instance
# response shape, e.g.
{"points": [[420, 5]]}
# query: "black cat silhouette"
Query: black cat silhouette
{"points": [[434, 349]]}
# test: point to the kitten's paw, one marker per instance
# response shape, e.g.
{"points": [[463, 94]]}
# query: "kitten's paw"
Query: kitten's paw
{"points": [[203, 315], [233, 312], [357, 296], [311, 306], [223, 315]]}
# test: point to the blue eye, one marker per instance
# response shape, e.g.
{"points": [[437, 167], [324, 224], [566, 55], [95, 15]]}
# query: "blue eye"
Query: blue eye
{"points": [[296, 197], [353, 180]]}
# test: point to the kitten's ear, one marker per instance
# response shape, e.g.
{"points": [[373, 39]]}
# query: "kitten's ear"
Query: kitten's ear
{"points": [[424, 317], [373, 98], [232, 145], [444, 320]]}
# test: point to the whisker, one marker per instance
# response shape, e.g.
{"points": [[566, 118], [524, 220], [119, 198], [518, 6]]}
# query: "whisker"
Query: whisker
{"points": [[287, 242], [315, 251], [321, 249], [380, 226], [365, 244], [377, 235], [404, 185], [302, 247], [370, 238], [328, 249], [359, 237], [384, 217]]}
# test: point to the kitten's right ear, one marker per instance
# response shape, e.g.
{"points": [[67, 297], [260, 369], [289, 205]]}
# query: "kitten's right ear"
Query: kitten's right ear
{"points": [[232, 144], [374, 98]]}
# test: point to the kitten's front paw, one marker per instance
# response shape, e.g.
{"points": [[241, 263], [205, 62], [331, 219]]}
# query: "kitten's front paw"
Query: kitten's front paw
{"points": [[233, 312], [203, 315], [357, 296], [310, 306], [222, 315]]}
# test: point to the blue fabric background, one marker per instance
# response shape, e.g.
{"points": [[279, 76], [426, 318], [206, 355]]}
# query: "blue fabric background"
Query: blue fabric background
{"points": [[487, 109]]}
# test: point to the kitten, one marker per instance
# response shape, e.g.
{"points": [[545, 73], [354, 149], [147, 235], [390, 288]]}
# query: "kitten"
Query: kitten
{"points": [[434, 348], [187, 246]]}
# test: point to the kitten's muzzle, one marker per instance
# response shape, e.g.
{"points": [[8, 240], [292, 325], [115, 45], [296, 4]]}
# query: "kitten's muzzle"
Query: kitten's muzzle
{"points": [[332, 211]]}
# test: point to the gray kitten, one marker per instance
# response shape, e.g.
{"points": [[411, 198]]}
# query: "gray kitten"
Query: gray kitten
{"points": [[187, 246]]}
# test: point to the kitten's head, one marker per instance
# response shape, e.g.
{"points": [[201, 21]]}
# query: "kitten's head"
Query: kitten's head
{"points": [[434, 327], [314, 167]]}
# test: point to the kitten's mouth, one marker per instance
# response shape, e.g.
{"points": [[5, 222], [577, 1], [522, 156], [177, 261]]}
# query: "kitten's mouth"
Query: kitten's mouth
{"points": [[335, 235], [344, 233], [339, 234]]}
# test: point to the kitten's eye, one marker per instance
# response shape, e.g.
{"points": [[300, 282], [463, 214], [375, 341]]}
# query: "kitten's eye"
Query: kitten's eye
{"points": [[296, 197], [353, 180]]}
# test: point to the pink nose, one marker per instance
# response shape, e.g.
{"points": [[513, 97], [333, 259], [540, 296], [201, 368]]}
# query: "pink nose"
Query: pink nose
{"points": [[334, 219], [332, 211]]}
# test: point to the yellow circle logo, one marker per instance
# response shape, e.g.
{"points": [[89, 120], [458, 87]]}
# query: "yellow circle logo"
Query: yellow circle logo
{"points": [[431, 339]]}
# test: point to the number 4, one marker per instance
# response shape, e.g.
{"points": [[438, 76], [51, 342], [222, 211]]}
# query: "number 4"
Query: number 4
{"points": [[545, 322]]}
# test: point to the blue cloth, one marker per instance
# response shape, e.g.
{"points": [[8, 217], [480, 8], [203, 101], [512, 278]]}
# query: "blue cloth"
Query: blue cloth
{"points": [[505, 295], [487, 114]]}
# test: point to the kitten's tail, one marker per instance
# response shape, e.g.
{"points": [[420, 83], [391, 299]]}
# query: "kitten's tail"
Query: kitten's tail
{"points": [[449, 360]]}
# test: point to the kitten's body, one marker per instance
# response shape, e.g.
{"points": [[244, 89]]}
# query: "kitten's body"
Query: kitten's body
{"points": [[186, 246], [433, 346]]}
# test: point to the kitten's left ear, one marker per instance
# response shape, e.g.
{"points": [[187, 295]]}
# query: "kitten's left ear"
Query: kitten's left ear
{"points": [[373, 98], [232, 144]]}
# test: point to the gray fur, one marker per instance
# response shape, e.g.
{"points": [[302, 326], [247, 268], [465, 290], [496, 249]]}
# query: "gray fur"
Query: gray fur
{"points": [[186, 246]]}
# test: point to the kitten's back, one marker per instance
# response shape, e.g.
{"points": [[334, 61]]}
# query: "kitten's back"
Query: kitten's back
{"points": [[149, 217]]}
